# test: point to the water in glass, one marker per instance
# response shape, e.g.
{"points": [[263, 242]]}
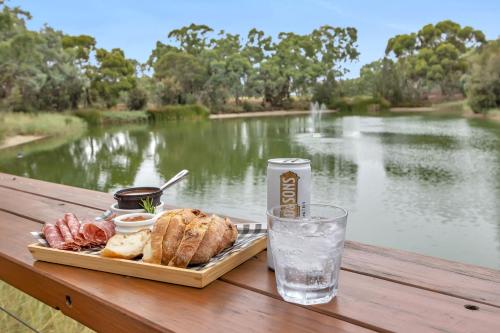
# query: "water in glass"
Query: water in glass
{"points": [[307, 255]]}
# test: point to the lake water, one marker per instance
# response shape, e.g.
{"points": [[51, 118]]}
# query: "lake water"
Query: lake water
{"points": [[422, 183]]}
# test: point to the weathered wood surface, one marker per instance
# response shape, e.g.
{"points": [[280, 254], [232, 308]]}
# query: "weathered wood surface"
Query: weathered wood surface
{"points": [[380, 289], [438, 275], [114, 303]]}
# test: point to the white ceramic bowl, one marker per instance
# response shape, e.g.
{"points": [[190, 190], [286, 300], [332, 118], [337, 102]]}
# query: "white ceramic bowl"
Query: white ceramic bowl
{"points": [[122, 227], [118, 211]]}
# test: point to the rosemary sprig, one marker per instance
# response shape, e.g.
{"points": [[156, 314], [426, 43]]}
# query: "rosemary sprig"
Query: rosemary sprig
{"points": [[148, 206]]}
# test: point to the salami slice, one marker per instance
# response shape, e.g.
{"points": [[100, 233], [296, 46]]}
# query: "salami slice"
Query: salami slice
{"points": [[99, 232], [74, 226], [64, 230], [69, 241], [53, 236]]}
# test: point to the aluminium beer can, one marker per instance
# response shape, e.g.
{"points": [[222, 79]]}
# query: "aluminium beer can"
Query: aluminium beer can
{"points": [[288, 183]]}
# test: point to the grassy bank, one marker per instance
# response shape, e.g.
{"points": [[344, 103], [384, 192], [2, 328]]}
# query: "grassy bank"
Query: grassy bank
{"points": [[44, 124], [360, 104], [177, 112], [169, 112], [104, 117]]}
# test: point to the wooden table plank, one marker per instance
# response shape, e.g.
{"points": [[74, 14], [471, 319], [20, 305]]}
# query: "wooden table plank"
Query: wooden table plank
{"points": [[363, 300], [76, 195], [439, 275], [110, 303], [40, 209], [478, 284], [381, 303]]}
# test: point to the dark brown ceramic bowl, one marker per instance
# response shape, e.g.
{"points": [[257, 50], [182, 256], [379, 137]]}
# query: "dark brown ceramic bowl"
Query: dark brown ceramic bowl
{"points": [[130, 198]]}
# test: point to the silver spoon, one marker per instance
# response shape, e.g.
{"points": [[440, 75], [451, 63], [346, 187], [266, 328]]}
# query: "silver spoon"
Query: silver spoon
{"points": [[174, 179]]}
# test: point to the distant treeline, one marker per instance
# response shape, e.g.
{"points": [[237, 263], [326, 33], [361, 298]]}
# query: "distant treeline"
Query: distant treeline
{"points": [[50, 70], [444, 59]]}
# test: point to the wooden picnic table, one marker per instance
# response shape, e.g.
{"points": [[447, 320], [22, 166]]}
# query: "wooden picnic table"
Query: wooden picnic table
{"points": [[382, 290]]}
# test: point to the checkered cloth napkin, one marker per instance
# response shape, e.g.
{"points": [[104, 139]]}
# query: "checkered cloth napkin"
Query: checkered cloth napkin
{"points": [[248, 233]]}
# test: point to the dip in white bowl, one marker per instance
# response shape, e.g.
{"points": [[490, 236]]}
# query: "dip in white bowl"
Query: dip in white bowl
{"points": [[128, 223]]}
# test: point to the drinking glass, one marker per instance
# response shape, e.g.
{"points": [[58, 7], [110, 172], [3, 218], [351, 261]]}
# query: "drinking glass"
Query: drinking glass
{"points": [[307, 251]]}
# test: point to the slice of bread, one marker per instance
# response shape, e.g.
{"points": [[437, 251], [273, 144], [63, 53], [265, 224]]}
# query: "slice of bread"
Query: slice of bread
{"points": [[153, 253], [126, 246], [193, 235]]}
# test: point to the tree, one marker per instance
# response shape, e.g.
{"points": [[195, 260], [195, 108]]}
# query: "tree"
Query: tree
{"points": [[184, 68], [483, 81], [35, 71], [191, 39], [63, 85], [227, 65], [434, 55], [113, 74], [137, 99], [81, 47]]}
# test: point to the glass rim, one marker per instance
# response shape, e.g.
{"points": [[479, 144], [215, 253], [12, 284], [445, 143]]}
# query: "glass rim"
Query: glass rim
{"points": [[334, 219]]}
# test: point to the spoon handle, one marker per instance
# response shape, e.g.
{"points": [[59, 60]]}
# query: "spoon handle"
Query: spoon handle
{"points": [[175, 179]]}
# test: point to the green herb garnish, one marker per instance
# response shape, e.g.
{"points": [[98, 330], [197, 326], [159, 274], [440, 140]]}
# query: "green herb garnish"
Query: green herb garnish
{"points": [[148, 206]]}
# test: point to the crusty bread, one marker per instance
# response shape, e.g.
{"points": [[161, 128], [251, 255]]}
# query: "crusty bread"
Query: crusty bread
{"points": [[230, 235], [155, 245], [193, 236], [183, 237], [126, 246], [175, 232], [146, 252], [211, 243]]}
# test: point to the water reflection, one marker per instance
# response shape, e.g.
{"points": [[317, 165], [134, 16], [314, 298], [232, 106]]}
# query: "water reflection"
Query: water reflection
{"points": [[419, 183]]}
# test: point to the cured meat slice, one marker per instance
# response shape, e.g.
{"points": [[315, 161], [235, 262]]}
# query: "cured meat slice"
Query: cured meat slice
{"points": [[53, 236], [74, 226], [65, 232], [99, 232]]}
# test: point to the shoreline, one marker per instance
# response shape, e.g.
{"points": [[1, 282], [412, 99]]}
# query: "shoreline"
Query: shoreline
{"points": [[19, 140], [264, 114], [413, 109]]}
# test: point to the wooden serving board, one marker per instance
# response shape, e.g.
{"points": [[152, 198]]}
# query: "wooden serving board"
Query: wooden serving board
{"points": [[182, 276]]}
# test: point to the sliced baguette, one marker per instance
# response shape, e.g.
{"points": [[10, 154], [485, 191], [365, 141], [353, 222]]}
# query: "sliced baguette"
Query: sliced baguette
{"points": [[193, 235], [211, 243], [175, 232], [154, 252], [126, 246]]}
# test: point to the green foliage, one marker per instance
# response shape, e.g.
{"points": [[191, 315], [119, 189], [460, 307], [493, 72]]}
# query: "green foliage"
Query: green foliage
{"points": [[176, 112], [42, 123], [360, 104], [483, 81], [35, 72], [114, 74], [99, 117], [148, 206], [389, 80], [433, 56], [214, 70], [48, 70], [81, 45], [325, 92], [137, 99]]}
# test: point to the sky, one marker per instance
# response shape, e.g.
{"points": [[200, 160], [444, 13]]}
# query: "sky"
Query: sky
{"points": [[135, 26]]}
